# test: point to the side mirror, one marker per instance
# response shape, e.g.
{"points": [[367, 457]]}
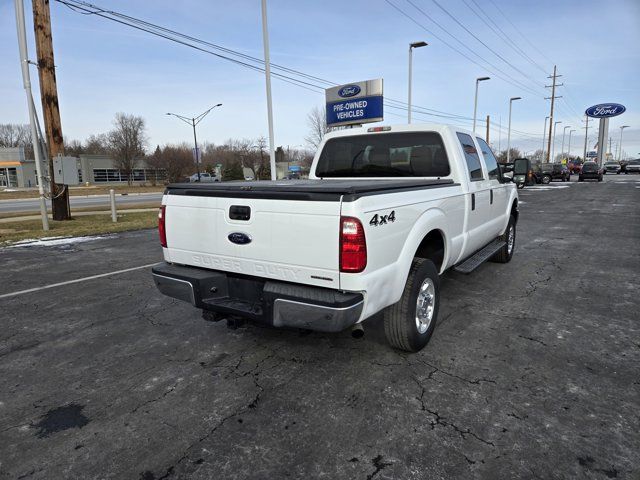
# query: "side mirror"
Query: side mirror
{"points": [[507, 167]]}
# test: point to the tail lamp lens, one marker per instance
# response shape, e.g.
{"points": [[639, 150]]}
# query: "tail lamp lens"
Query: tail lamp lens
{"points": [[162, 232], [353, 245]]}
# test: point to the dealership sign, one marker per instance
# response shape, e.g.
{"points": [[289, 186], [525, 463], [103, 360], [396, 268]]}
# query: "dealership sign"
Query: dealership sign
{"points": [[605, 110], [354, 103]]}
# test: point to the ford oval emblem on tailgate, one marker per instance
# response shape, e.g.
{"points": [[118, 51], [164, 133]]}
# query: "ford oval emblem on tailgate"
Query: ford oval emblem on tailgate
{"points": [[239, 238]]}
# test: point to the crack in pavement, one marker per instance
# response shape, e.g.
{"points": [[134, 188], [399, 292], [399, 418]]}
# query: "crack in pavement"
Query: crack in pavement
{"points": [[476, 381], [439, 420], [379, 465], [533, 340]]}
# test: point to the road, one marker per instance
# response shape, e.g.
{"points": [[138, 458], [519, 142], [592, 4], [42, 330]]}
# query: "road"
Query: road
{"points": [[33, 205], [532, 372]]}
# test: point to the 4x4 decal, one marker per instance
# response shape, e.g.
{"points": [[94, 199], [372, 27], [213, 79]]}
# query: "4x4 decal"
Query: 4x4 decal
{"points": [[383, 219]]}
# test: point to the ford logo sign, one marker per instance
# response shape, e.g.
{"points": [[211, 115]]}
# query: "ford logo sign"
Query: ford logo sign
{"points": [[239, 238], [605, 110], [349, 91]]}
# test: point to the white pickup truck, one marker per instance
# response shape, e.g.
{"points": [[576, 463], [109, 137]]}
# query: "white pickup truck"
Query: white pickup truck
{"points": [[385, 211]]}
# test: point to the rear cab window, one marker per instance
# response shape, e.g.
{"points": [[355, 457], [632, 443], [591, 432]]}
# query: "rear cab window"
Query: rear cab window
{"points": [[402, 154], [474, 166]]}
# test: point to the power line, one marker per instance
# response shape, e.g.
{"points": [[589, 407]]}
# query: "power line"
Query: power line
{"points": [[520, 33], [496, 71], [501, 34], [310, 82], [483, 43]]}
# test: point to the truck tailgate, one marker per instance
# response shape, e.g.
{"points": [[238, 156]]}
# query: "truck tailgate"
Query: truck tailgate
{"points": [[290, 240]]}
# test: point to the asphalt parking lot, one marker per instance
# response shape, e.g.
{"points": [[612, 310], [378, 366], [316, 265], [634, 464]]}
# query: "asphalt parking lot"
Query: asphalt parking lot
{"points": [[533, 370]]}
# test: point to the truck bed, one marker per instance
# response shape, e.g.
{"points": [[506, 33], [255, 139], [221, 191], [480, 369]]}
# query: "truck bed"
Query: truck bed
{"points": [[310, 190]]}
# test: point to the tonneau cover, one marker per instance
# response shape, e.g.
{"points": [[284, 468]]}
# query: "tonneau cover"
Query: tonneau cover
{"points": [[304, 189]]}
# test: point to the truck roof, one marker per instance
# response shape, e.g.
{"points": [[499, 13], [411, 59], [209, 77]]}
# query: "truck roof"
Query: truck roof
{"points": [[402, 127]]}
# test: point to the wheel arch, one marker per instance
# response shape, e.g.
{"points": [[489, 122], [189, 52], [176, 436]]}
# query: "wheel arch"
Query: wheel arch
{"points": [[433, 247]]}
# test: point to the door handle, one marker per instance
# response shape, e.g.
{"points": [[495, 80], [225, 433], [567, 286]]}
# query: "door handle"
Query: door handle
{"points": [[491, 195], [473, 201]]}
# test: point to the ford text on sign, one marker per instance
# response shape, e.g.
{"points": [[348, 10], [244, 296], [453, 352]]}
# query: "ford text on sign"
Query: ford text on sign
{"points": [[605, 110]]}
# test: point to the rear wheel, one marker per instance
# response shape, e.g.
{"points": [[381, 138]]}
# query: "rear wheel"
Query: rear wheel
{"points": [[409, 324], [521, 185], [505, 254], [546, 179]]}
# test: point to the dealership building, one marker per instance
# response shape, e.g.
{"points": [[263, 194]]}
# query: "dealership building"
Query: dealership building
{"points": [[20, 172]]}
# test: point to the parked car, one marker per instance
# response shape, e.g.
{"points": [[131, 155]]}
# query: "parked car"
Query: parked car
{"points": [[204, 178], [384, 212], [611, 167], [574, 166], [552, 171], [590, 171], [633, 166]]}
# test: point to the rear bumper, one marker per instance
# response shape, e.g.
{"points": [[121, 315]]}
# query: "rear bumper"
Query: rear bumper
{"points": [[275, 303]]}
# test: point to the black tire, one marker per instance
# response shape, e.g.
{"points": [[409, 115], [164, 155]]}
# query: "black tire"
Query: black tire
{"points": [[580, 179], [546, 180], [505, 254], [617, 173], [521, 186], [400, 319]]}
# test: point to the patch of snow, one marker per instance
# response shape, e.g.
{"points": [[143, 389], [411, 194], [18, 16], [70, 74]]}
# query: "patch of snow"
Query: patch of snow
{"points": [[53, 241]]}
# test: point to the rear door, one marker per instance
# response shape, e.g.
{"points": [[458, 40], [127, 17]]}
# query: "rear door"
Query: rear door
{"points": [[479, 197], [289, 240], [499, 191]]}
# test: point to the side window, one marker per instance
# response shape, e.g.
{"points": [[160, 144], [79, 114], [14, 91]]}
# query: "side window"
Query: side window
{"points": [[471, 156], [489, 160]]}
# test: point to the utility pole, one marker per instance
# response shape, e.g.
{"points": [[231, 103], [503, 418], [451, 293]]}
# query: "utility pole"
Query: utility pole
{"points": [[499, 134], [544, 136], [488, 123], [50, 108], [586, 133], [553, 99]]}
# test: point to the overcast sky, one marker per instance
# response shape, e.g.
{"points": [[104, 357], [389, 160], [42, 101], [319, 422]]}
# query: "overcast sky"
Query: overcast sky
{"points": [[104, 67]]}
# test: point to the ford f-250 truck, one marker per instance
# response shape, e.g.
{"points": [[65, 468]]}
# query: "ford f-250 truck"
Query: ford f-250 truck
{"points": [[385, 211]]}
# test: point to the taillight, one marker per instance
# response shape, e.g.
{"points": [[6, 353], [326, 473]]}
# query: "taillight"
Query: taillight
{"points": [[353, 245], [162, 232]]}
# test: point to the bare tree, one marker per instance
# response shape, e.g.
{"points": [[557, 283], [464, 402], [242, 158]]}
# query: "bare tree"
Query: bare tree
{"points": [[14, 135], [97, 144], [126, 142], [317, 123], [513, 154], [176, 160]]}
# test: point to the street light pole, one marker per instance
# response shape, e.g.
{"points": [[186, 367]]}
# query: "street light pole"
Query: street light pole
{"points": [[509, 130], [411, 47], [620, 146], [569, 149], [267, 73], [193, 121], [475, 101], [26, 82], [553, 141], [564, 132], [544, 136]]}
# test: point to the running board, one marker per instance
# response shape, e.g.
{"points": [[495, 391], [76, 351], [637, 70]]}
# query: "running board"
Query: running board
{"points": [[478, 258]]}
